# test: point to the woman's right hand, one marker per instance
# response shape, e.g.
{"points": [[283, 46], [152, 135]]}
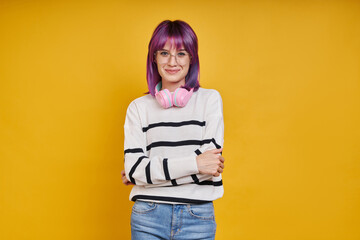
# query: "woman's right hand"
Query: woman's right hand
{"points": [[124, 179], [210, 162]]}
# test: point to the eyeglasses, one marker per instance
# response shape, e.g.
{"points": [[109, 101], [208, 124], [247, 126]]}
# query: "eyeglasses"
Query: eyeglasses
{"points": [[164, 56]]}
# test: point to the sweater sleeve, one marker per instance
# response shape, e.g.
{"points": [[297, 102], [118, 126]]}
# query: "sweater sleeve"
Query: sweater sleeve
{"points": [[213, 137], [214, 133], [214, 129], [137, 163]]}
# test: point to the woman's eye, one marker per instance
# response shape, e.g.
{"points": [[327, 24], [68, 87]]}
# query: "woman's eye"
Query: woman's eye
{"points": [[181, 54], [164, 53]]}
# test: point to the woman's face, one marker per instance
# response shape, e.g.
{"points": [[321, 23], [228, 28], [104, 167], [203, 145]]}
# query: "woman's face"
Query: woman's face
{"points": [[172, 69]]}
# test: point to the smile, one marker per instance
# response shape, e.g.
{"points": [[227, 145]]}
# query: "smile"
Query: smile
{"points": [[171, 71]]}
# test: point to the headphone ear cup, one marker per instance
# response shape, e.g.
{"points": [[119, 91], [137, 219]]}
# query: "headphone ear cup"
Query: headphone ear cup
{"points": [[181, 97], [164, 98]]}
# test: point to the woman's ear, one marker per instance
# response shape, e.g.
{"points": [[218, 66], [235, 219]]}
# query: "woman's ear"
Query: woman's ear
{"points": [[154, 57]]}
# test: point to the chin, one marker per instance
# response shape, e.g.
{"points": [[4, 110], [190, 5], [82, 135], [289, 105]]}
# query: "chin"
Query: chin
{"points": [[172, 79]]}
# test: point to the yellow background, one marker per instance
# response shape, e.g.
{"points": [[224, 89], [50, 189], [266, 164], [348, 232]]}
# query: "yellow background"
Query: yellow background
{"points": [[288, 72]]}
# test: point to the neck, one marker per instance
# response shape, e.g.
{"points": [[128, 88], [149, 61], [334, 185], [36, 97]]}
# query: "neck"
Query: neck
{"points": [[171, 86]]}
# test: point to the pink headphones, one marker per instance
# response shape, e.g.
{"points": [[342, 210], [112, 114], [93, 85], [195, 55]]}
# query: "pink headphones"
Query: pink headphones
{"points": [[178, 98]]}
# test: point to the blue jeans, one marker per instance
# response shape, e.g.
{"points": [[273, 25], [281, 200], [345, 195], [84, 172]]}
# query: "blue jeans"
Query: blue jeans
{"points": [[151, 220]]}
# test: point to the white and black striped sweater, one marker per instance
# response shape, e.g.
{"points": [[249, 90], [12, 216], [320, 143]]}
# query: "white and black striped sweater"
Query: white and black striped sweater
{"points": [[161, 146]]}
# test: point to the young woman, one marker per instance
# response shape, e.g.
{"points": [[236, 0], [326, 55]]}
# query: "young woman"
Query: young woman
{"points": [[173, 142]]}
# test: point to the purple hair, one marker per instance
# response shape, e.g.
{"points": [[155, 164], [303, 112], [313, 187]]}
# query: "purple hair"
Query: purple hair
{"points": [[182, 34]]}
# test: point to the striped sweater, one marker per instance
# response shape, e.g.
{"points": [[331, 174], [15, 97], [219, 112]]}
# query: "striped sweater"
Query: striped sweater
{"points": [[161, 146]]}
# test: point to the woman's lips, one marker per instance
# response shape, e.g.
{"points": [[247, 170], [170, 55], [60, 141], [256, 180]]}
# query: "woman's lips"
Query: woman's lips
{"points": [[172, 71]]}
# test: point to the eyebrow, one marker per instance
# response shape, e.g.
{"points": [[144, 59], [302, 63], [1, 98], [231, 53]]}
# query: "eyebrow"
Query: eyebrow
{"points": [[168, 50]]}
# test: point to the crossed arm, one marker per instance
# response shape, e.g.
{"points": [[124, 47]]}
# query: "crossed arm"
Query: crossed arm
{"points": [[209, 162]]}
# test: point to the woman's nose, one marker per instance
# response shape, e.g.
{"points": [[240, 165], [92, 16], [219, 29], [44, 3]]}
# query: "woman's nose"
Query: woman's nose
{"points": [[172, 60]]}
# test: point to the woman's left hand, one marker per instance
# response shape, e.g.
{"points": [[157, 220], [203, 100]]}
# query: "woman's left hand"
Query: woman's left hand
{"points": [[124, 179]]}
